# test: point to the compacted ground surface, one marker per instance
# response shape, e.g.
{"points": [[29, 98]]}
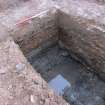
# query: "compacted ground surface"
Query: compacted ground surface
{"points": [[86, 88]]}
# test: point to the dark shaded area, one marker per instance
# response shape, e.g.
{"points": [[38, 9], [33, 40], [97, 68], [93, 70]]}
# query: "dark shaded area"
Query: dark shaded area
{"points": [[86, 87]]}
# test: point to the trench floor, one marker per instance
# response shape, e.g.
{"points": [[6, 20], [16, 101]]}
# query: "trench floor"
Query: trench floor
{"points": [[86, 88]]}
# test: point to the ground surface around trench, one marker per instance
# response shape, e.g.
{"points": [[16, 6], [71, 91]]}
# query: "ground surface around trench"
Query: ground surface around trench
{"points": [[86, 88]]}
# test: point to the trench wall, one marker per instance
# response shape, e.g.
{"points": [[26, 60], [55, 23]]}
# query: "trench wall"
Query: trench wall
{"points": [[86, 46], [33, 33]]}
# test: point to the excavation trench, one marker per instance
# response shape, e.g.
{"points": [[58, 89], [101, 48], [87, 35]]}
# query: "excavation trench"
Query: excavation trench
{"points": [[66, 76], [55, 65]]}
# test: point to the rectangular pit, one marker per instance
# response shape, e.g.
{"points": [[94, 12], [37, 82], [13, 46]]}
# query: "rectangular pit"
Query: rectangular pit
{"points": [[86, 88], [41, 44]]}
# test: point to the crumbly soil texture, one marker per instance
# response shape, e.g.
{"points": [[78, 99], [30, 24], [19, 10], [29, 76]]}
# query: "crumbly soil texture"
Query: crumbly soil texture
{"points": [[86, 88]]}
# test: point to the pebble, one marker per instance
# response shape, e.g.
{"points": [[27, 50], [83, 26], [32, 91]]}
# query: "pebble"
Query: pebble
{"points": [[65, 53], [32, 98], [20, 67], [10, 87], [50, 94]]}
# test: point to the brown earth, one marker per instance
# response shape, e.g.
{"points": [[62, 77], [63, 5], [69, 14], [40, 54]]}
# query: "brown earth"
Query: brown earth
{"points": [[21, 20]]}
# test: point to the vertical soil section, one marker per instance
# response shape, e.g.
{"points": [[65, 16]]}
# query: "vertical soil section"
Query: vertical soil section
{"points": [[85, 45]]}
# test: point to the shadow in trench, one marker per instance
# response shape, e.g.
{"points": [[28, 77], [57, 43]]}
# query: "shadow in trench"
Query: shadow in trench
{"points": [[67, 77]]}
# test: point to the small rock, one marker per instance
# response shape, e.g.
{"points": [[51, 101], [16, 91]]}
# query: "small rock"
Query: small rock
{"points": [[50, 94], [10, 87], [73, 98], [20, 67], [65, 53], [32, 99]]}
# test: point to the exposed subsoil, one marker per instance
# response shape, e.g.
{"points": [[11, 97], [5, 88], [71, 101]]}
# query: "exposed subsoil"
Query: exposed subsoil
{"points": [[86, 87]]}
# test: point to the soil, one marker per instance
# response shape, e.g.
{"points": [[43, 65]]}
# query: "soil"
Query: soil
{"points": [[19, 83]]}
